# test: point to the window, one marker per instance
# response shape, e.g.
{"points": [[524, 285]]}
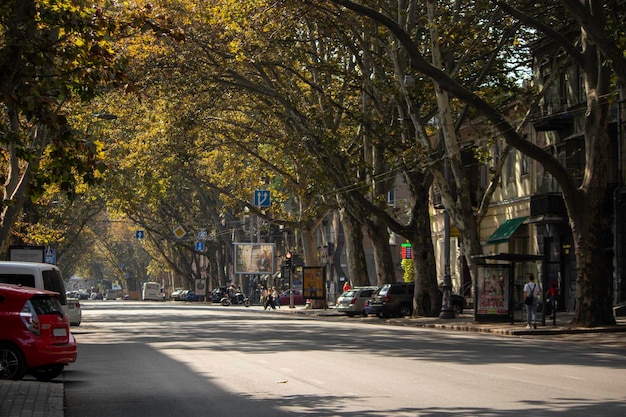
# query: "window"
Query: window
{"points": [[19, 279], [391, 197], [52, 282]]}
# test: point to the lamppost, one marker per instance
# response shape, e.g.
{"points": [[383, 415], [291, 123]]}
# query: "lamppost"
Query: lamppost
{"points": [[447, 312]]}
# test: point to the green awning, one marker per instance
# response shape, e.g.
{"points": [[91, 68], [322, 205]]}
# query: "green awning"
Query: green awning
{"points": [[506, 229]]}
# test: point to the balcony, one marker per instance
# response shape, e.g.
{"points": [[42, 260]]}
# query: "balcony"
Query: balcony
{"points": [[546, 207], [552, 116]]}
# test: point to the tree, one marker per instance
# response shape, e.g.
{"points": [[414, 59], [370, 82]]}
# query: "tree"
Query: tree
{"points": [[583, 201], [50, 52]]}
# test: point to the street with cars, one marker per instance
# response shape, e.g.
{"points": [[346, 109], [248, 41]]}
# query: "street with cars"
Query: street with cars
{"points": [[197, 359]]}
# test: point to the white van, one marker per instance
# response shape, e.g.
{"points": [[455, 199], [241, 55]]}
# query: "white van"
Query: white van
{"points": [[36, 275]]}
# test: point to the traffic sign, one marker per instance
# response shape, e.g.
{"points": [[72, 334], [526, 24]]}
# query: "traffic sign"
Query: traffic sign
{"points": [[139, 234], [179, 232], [262, 198], [199, 246]]}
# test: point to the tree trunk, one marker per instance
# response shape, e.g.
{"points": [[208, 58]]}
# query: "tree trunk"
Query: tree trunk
{"points": [[590, 216], [378, 233], [353, 233], [339, 245], [427, 301]]}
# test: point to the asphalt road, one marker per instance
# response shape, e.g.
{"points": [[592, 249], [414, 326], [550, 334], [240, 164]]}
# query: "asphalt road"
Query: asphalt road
{"points": [[179, 359]]}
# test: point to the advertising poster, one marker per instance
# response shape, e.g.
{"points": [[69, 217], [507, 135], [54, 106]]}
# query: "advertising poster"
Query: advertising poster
{"points": [[313, 283], [493, 290], [254, 258]]}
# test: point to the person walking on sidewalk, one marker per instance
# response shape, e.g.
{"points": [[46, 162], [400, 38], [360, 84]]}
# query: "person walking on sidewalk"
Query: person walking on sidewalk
{"points": [[531, 298], [275, 296]]}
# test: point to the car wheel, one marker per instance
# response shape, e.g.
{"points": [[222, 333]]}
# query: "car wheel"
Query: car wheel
{"points": [[457, 309], [46, 373], [246, 303], [405, 310], [12, 363]]}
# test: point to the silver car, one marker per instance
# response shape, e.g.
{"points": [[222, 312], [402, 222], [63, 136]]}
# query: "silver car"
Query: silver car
{"points": [[74, 312], [352, 301]]}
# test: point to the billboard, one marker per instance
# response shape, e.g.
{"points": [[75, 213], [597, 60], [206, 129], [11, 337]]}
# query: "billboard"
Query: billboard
{"points": [[313, 286], [27, 253], [254, 258], [492, 290]]}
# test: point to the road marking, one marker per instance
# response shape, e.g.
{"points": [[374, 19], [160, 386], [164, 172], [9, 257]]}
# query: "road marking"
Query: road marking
{"points": [[574, 377]]}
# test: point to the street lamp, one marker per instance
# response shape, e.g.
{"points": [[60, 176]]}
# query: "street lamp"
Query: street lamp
{"points": [[447, 312]]}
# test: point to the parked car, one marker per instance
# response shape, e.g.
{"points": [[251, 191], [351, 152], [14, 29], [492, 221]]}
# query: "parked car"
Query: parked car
{"points": [[190, 296], [298, 299], [35, 275], [396, 299], [458, 303], [352, 302], [217, 294], [176, 295], [367, 304], [35, 334], [393, 300], [74, 312]]}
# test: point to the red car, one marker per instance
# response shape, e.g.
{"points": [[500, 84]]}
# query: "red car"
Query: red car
{"points": [[285, 297], [35, 334]]}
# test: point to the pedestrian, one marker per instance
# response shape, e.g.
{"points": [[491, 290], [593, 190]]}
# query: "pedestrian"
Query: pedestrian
{"points": [[264, 294], [275, 297], [269, 302], [346, 286], [531, 298]]}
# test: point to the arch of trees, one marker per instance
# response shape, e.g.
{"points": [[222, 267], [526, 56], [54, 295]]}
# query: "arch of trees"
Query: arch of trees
{"points": [[324, 102]]}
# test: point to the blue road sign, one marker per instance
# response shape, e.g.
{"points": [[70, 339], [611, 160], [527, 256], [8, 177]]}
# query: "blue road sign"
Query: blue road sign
{"points": [[199, 246], [139, 234], [262, 198]]}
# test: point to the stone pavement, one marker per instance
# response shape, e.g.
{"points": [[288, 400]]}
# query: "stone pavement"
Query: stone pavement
{"points": [[31, 398]]}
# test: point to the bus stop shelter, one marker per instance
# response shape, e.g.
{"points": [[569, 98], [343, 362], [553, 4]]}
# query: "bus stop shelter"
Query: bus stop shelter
{"points": [[499, 286]]}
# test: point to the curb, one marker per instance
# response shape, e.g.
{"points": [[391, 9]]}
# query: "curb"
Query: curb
{"points": [[470, 326]]}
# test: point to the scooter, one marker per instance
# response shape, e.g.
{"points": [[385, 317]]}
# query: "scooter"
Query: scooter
{"points": [[240, 299]]}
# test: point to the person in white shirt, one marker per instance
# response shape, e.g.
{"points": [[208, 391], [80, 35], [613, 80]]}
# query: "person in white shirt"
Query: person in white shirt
{"points": [[531, 298]]}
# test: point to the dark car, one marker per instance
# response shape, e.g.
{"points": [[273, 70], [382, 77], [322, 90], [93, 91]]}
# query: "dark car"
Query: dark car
{"points": [[396, 300], [217, 294], [458, 303], [35, 334], [393, 300]]}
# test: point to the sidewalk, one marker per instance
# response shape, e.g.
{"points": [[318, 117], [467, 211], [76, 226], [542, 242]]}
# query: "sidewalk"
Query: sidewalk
{"points": [[466, 322], [31, 398]]}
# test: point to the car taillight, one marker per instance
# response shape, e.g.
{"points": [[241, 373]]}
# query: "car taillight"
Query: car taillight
{"points": [[386, 299], [30, 319], [352, 301]]}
